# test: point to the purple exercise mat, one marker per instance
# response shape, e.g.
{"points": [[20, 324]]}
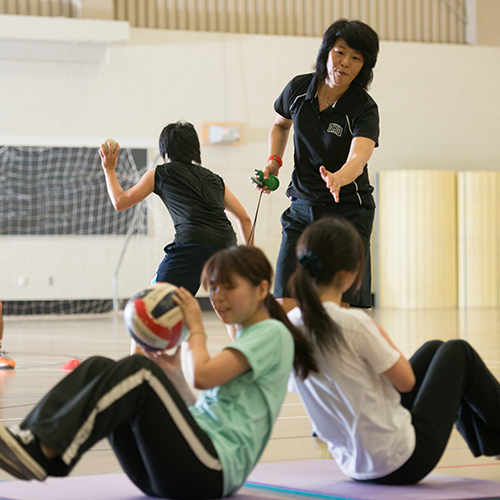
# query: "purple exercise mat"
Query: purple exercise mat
{"points": [[313, 479], [103, 487], [322, 478]]}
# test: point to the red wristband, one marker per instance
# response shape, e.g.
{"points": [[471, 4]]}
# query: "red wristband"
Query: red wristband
{"points": [[277, 158]]}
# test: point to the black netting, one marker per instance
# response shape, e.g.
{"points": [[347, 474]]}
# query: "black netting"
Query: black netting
{"points": [[62, 191]]}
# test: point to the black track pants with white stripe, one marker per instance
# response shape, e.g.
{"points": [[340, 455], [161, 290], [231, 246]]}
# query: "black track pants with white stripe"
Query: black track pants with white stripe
{"points": [[132, 403]]}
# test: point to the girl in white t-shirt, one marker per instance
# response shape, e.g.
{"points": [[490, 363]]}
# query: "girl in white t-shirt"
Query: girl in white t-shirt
{"points": [[385, 419]]}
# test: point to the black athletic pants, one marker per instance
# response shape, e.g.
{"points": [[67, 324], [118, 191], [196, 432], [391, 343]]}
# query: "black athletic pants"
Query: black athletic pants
{"points": [[132, 403], [302, 213], [453, 386]]}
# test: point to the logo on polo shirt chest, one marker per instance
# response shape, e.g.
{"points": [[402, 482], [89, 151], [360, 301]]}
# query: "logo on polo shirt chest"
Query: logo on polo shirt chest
{"points": [[335, 128]]}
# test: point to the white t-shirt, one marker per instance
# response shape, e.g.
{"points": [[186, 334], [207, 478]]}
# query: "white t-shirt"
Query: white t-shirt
{"points": [[353, 407]]}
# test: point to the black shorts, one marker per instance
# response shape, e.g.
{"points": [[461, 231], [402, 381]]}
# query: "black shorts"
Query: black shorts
{"points": [[183, 264]]}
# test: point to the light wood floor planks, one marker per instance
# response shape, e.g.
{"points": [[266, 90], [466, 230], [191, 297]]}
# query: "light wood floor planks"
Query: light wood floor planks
{"points": [[40, 346]]}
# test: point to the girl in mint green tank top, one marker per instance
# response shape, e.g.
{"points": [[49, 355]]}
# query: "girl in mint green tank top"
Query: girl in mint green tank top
{"points": [[170, 444]]}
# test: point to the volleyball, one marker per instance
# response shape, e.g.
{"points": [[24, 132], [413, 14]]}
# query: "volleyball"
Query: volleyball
{"points": [[153, 319], [112, 142]]}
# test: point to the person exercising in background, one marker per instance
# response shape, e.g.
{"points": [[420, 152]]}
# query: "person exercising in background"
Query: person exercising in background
{"points": [[5, 360], [196, 198]]}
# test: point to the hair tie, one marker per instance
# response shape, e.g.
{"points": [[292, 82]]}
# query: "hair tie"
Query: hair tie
{"points": [[312, 262]]}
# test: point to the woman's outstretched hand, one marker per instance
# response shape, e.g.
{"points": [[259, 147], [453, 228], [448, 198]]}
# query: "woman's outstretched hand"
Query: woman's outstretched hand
{"points": [[332, 182]]}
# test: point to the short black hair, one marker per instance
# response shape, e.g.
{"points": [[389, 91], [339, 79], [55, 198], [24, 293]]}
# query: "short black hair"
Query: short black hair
{"points": [[179, 141], [359, 36]]}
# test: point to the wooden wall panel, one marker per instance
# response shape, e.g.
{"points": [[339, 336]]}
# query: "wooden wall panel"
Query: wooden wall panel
{"points": [[479, 239], [413, 20], [417, 237]]}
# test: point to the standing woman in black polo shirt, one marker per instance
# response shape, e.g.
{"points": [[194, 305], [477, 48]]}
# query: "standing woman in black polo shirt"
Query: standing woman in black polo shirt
{"points": [[196, 198], [336, 128]]}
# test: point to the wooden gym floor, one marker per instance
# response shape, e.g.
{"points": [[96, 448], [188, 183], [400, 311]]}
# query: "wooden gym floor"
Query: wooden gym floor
{"points": [[40, 346]]}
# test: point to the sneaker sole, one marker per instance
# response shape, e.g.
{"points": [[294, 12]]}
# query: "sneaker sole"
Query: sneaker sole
{"points": [[16, 460]]}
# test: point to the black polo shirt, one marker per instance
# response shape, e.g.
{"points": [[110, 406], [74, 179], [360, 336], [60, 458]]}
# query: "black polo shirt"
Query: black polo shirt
{"points": [[194, 197], [324, 138]]}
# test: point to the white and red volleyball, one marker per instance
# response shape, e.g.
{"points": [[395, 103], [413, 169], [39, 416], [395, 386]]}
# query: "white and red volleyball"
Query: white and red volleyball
{"points": [[153, 319]]}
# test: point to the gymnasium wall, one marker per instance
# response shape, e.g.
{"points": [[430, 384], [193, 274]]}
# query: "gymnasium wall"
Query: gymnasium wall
{"points": [[438, 104]]}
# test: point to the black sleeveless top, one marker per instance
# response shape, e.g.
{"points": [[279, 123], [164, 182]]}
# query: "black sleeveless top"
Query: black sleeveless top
{"points": [[194, 197]]}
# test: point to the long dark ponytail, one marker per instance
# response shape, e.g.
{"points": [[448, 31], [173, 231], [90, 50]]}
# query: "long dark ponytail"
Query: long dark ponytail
{"points": [[326, 247], [251, 263]]}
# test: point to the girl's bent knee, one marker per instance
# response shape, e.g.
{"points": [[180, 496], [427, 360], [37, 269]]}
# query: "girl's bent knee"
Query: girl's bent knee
{"points": [[458, 351], [138, 361], [433, 344], [457, 345], [99, 361]]}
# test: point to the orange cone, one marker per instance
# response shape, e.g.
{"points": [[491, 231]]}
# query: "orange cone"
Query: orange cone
{"points": [[70, 365]]}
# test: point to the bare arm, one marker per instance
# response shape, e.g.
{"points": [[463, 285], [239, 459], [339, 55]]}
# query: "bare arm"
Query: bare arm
{"points": [[401, 373], [360, 152], [121, 199], [235, 209], [278, 138], [212, 372], [207, 372]]}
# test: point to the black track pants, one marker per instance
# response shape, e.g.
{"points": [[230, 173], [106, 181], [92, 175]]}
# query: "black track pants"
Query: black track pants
{"points": [[132, 403], [453, 386]]}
